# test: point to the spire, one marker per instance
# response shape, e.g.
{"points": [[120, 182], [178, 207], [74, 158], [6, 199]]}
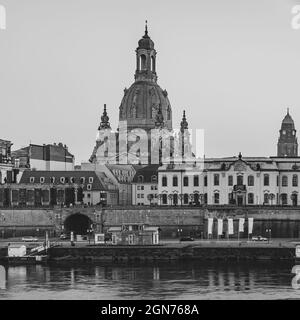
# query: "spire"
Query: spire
{"points": [[288, 111], [184, 124], [146, 29], [104, 124]]}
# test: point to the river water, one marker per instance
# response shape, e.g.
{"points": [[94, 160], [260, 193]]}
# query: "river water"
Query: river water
{"points": [[176, 280]]}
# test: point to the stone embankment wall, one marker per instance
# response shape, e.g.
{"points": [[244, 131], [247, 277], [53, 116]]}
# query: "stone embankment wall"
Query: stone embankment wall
{"points": [[174, 222]]}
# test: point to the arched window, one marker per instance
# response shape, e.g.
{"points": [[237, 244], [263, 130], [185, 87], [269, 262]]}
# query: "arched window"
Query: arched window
{"points": [[284, 181], [266, 198], [175, 199], [250, 181], [295, 180], [186, 181], [283, 199], [143, 65], [205, 181], [164, 181], [175, 181], [186, 198], [230, 180], [266, 180], [153, 63], [250, 198], [294, 198], [216, 198], [164, 198], [196, 198], [140, 179], [205, 198]]}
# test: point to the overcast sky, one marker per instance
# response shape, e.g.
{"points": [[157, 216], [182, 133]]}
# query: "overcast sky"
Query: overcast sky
{"points": [[233, 65]]}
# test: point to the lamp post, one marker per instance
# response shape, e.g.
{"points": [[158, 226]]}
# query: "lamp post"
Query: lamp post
{"points": [[269, 234], [269, 229]]}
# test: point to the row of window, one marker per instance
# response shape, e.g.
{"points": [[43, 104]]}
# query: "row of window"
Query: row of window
{"points": [[142, 187], [62, 180], [240, 180], [185, 198], [141, 179], [185, 181], [141, 195], [250, 180], [269, 198]]}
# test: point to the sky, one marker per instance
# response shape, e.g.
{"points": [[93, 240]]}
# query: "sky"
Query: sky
{"points": [[232, 65]]}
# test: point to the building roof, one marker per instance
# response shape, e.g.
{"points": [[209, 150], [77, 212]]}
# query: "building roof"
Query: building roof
{"points": [[147, 173], [5, 142], [76, 176], [49, 152]]}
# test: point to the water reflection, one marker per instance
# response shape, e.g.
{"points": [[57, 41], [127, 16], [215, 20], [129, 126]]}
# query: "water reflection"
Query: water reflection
{"points": [[188, 280]]}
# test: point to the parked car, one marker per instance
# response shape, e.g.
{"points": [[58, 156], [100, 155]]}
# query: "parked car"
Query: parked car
{"points": [[259, 238], [30, 239], [186, 239], [64, 236]]}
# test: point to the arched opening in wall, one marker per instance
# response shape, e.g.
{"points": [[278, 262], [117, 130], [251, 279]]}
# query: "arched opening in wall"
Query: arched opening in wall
{"points": [[143, 65], [78, 223], [153, 64]]}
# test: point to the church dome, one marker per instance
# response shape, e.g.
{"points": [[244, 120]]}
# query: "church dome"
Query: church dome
{"points": [[141, 103], [145, 97], [146, 43]]}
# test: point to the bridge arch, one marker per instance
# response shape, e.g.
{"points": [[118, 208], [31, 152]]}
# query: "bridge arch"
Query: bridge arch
{"points": [[78, 223]]}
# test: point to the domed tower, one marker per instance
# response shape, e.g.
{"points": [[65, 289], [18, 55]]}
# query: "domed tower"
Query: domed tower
{"points": [[145, 98], [287, 143]]}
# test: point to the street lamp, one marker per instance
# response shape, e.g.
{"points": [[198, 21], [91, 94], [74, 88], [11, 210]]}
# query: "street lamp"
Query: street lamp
{"points": [[269, 234]]}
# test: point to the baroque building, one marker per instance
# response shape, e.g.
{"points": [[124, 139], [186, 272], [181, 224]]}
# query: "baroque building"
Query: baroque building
{"points": [[145, 106], [237, 180]]}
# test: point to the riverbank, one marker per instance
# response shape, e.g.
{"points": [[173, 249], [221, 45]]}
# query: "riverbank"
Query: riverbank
{"points": [[170, 250], [208, 251]]}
